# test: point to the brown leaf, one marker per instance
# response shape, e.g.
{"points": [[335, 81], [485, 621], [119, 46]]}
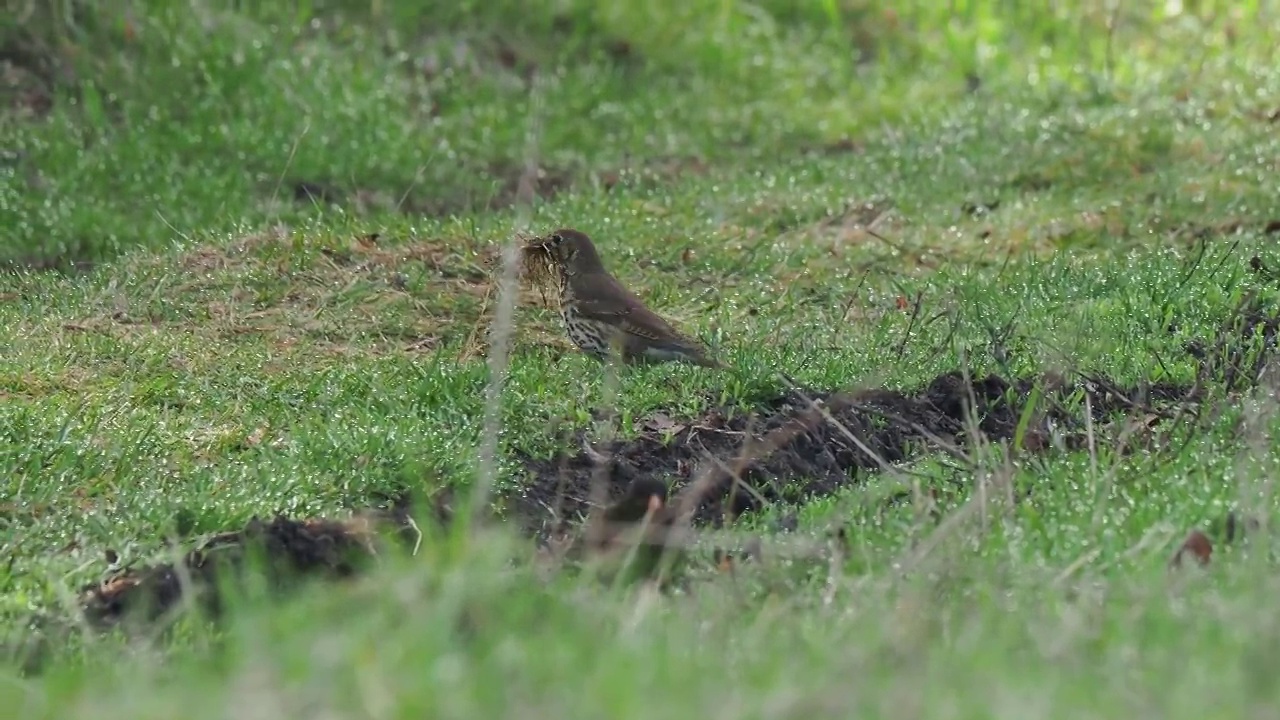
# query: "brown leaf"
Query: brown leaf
{"points": [[662, 423]]}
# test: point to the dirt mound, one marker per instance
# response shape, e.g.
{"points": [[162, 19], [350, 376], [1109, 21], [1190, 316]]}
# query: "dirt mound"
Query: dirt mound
{"points": [[800, 444], [288, 550], [807, 444]]}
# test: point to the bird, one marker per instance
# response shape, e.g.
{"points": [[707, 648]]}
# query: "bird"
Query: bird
{"points": [[630, 539], [601, 316]]}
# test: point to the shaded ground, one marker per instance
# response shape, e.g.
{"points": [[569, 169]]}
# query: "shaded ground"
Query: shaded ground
{"points": [[808, 444], [506, 176], [28, 75]]}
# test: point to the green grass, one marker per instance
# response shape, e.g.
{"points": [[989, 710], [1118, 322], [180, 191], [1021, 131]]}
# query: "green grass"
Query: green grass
{"points": [[233, 351]]}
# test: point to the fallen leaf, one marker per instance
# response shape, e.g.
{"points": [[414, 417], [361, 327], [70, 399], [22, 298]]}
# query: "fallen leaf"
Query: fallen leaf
{"points": [[662, 423]]}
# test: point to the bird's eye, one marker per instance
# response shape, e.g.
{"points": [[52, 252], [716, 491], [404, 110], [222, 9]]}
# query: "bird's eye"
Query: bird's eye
{"points": [[557, 238]]}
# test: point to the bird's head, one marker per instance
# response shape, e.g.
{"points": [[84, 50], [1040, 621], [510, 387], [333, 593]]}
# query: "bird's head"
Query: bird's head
{"points": [[572, 250]]}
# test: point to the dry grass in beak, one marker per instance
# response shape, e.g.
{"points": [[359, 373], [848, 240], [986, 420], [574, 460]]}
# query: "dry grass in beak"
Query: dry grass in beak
{"points": [[536, 261], [537, 265]]}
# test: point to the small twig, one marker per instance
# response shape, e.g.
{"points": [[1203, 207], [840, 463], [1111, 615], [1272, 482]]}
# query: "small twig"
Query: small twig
{"points": [[896, 246], [737, 480], [297, 141], [915, 314], [175, 230], [853, 298], [826, 415], [417, 176], [1075, 565]]}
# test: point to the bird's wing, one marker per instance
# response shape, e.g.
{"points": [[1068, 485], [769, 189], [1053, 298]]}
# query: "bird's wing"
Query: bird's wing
{"points": [[609, 302]]}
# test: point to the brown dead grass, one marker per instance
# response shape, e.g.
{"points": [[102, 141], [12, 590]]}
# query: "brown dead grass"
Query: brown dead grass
{"points": [[305, 301], [354, 296]]}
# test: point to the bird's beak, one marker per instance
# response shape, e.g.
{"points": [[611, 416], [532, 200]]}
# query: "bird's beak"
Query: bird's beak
{"points": [[538, 244]]}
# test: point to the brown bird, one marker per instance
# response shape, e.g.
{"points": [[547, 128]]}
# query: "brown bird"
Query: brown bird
{"points": [[601, 316], [629, 539]]}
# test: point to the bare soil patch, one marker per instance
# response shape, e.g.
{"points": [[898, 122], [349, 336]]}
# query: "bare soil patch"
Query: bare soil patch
{"points": [[805, 444]]}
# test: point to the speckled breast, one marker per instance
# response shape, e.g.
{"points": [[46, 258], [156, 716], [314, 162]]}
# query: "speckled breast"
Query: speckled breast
{"points": [[589, 335]]}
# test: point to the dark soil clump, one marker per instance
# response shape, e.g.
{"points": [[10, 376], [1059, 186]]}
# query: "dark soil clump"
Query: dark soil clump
{"points": [[287, 550], [806, 444], [801, 445]]}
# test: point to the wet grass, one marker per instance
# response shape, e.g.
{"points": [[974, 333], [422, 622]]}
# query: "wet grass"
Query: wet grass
{"points": [[276, 235]]}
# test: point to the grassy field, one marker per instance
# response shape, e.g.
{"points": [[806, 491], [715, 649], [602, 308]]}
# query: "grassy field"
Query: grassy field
{"points": [[252, 264]]}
